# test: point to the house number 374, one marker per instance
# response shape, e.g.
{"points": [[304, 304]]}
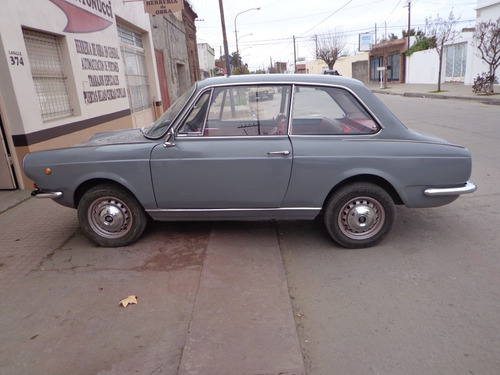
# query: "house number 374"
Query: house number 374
{"points": [[16, 60]]}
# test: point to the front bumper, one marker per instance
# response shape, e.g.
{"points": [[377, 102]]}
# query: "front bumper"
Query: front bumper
{"points": [[46, 194], [468, 188]]}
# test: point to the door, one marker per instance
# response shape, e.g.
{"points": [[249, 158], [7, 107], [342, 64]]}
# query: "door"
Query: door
{"points": [[230, 152], [162, 78], [7, 180]]}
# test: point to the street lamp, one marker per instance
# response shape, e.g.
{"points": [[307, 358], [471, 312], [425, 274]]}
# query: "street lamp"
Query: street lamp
{"points": [[236, 29]]}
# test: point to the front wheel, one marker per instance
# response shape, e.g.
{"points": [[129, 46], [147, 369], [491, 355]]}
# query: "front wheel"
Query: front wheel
{"points": [[359, 215], [110, 216]]}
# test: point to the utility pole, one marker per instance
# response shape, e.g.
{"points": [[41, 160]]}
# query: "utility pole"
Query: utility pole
{"points": [[408, 35], [294, 56], [224, 37]]}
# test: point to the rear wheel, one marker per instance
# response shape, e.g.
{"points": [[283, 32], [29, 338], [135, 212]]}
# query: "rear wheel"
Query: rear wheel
{"points": [[359, 215], [110, 216]]}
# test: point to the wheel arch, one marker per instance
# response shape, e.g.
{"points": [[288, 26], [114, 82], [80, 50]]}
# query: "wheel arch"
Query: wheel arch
{"points": [[374, 179], [89, 184]]}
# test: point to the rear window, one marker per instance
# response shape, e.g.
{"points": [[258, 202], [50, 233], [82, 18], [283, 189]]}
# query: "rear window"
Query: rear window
{"points": [[319, 110]]}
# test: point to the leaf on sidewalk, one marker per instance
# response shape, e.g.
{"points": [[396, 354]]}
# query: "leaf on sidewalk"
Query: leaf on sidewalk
{"points": [[128, 301]]}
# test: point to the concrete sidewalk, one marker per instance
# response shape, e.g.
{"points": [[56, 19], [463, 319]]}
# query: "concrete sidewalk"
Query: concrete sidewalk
{"points": [[449, 91], [212, 298]]}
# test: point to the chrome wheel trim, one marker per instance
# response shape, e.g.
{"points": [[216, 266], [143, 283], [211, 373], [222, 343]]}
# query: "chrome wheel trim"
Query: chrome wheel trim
{"points": [[110, 217], [361, 218]]}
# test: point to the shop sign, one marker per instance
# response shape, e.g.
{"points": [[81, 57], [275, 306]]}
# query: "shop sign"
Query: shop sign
{"points": [[159, 7]]}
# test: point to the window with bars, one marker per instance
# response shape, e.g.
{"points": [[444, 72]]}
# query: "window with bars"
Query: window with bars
{"points": [[48, 74], [135, 68]]}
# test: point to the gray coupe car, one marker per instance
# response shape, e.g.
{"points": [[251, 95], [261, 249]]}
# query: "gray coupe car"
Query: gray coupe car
{"points": [[320, 145]]}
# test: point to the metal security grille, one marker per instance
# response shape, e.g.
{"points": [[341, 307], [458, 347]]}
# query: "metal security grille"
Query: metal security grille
{"points": [[129, 37], [48, 74], [135, 69]]}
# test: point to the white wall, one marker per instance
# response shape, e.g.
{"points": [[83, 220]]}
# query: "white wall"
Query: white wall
{"points": [[486, 10], [343, 65], [206, 58], [422, 67]]}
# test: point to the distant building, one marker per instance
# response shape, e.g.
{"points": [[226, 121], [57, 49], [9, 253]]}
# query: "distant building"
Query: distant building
{"points": [[174, 39], [280, 67], [388, 55], [343, 65], [300, 69], [461, 59], [206, 55]]}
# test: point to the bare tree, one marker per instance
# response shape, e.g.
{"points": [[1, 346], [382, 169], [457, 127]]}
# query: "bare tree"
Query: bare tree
{"points": [[487, 39], [443, 31], [330, 46]]}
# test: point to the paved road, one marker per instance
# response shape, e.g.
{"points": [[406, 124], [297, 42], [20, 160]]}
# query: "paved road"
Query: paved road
{"points": [[427, 300]]}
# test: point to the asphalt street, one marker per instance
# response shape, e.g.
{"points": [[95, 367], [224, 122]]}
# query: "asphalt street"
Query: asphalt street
{"points": [[426, 300]]}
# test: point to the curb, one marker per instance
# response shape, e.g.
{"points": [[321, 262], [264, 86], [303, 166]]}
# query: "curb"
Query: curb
{"points": [[11, 198], [482, 99]]}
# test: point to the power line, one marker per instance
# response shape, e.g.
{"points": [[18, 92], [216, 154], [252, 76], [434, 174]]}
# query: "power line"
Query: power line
{"points": [[338, 10]]}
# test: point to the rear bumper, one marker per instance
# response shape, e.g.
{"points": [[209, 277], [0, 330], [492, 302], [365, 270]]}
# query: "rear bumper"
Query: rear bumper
{"points": [[468, 188], [46, 194]]}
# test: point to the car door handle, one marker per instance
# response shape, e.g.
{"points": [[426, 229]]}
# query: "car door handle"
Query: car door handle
{"points": [[285, 152]]}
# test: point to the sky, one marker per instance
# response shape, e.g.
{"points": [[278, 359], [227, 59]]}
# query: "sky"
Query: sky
{"points": [[266, 35]]}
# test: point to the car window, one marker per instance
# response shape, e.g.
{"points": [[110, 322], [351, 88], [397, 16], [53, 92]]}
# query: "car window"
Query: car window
{"points": [[196, 117], [251, 110], [159, 128], [321, 110]]}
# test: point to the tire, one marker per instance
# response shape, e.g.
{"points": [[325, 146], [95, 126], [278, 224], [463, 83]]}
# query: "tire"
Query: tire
{"points": [[110, 216], [359, 215]]}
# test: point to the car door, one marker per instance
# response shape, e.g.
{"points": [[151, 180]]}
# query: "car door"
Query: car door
{"points": [[329, 133], [229, 152]]}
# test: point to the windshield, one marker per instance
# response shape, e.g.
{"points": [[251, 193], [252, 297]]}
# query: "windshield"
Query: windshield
{"points": [[158, 128]]}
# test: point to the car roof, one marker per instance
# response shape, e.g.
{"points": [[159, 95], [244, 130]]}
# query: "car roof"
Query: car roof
{"points": [[281, 79]]}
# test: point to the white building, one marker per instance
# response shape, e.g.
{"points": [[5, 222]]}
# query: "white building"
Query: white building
{"points": [[71, 68], [206, 55], [461, 60]]}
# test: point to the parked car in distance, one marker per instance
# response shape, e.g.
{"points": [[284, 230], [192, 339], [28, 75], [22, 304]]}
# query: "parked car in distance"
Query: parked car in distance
{"points": [[331, 72], [260, 93], [321, 145]]}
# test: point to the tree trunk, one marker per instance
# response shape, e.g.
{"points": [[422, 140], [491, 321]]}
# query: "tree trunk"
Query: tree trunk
{"points": [[440, 68], [492, 81]]}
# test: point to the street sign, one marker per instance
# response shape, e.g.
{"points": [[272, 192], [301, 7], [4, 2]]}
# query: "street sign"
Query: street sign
{"points": [[365, 42]]}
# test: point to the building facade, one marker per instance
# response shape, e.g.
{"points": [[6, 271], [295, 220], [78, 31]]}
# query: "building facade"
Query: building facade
{"points": [[388, 55], [71, 68], [461, 58], [174, 40], [206, 55], [343, 65]]}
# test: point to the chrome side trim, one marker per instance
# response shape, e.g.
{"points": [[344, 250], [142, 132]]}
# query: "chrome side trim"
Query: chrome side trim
{"points": [[467, 189], [46, 194], [239, 214], [284, 209]]}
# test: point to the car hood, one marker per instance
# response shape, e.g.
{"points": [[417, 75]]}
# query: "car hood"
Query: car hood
{"points": [[115, 137]]}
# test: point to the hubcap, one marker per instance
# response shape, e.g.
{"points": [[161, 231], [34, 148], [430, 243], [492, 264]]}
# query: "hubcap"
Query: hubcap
{"points": [[361, 218], [109, 217]]}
